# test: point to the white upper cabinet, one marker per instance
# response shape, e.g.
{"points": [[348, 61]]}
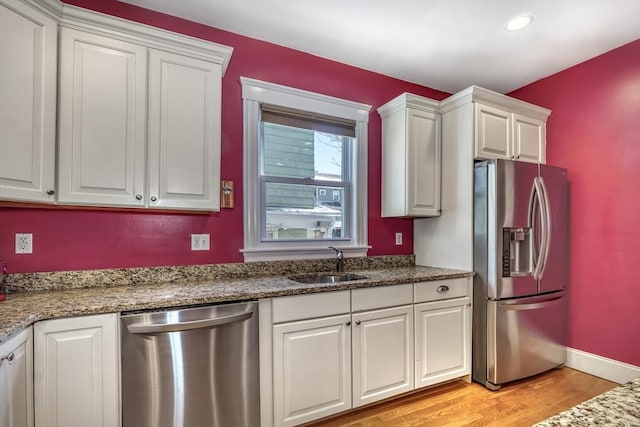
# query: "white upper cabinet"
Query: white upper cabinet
{"points": [[102, 120], [493, 133], [410, 157], [28, 70], [529, 139], [505, 128], [139, 115], [184, 131]]}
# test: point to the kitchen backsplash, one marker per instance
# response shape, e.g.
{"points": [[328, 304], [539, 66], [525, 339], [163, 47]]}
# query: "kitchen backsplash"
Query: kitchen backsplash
{"points": [[26, 282]]}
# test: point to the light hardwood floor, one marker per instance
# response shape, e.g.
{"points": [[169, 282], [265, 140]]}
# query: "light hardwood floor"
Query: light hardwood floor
{"points": [[521, 403]]}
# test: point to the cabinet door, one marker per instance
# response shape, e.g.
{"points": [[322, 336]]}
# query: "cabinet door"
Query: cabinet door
{"points": [[102, 120], [28, 67], [311, 369], [492, 133], [16, 381], [184, 132], [382, 354], [423, 175], [529, 139], [442, 341], [76, 372]]}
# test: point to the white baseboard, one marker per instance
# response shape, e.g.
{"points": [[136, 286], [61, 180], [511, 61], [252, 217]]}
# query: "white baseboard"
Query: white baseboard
{"points": [[602, 367]]}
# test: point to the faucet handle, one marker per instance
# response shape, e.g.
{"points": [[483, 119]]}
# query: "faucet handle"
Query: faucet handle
{"points": [[339, 253]]}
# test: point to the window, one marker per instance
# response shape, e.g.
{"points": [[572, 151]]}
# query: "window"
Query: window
{"points": [[304, 173]]}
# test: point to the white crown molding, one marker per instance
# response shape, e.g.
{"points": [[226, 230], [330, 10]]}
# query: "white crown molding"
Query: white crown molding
{"points": [[602, 367], [493, 99], [52, 8], [146, 35], [272, 93], [409, 100]]}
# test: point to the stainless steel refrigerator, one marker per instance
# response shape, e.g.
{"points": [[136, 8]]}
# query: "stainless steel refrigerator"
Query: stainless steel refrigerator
{"points": [[521, 265]]}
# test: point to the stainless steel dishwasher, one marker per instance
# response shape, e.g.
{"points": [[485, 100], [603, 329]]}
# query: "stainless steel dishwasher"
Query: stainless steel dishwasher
{"points": [[193, 367]]}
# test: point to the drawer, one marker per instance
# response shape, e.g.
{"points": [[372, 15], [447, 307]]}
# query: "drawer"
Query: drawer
{"points": [[441, 289], [381, 297], [298, 307]]}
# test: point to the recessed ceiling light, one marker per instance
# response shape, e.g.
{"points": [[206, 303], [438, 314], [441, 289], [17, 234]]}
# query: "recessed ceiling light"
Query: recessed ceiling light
{"points": [[519, 22]]}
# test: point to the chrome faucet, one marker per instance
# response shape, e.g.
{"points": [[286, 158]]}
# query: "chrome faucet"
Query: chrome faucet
{"points": [[339, 259]]}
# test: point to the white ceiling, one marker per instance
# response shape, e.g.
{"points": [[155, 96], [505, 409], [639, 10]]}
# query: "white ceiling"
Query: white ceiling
{"points": [[444, 44]]}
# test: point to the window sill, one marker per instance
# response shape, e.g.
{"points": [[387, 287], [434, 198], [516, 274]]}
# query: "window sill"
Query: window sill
{"points": [[297, 253]]}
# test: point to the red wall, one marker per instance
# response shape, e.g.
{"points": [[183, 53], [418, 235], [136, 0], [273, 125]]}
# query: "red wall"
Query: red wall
{"points": [[594, 131], [74, 239]]}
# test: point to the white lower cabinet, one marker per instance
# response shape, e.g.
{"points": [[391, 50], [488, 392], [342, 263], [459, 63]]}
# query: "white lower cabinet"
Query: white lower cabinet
{"points": [[76, 379], [382, 354], [442, 330], [16, 380], [329, 352], [312, 369], [442, 341]]}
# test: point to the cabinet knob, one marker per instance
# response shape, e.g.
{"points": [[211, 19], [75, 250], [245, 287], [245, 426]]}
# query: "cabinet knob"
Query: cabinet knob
{"points": [[154, 198], [443, 288], [358, 322], [138, 196], [8, 357], [51, 192], [348, 323]]}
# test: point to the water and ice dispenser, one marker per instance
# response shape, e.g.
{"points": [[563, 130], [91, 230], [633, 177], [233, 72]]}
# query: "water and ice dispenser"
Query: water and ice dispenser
{"points": [[517, 255]]}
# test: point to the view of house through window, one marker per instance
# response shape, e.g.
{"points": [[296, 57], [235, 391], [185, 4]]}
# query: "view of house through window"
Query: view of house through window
{"points": [[304, 179]]}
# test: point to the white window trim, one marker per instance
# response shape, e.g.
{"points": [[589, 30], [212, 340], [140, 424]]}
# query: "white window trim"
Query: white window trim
{"points": [[256, 92]]}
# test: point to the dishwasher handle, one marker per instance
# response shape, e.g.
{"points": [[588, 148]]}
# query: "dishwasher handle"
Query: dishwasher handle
{"points": [[142, 328]]}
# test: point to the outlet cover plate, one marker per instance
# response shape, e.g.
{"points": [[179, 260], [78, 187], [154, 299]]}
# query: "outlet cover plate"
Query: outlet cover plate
{"points": [[200, 242], [24, 243]]}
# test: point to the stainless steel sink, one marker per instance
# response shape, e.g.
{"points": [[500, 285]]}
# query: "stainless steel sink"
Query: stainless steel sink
{"points": [[327, 278]]}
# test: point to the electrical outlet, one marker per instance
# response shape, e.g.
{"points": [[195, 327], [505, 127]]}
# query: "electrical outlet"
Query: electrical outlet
{"points": [[398, 239], [200, 242], [24, 243]]}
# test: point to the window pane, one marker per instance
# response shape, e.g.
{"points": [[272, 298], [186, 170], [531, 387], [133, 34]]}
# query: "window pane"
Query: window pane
{"points": [[294, 211], [287, 151], [328, 156], [302, 153]]}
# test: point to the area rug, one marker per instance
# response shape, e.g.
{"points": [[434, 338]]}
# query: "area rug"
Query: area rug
{"points": [[617, 407]]}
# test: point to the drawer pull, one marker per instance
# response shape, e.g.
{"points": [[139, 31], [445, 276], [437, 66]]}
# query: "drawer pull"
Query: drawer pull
{"points": [[443, 288], [357, 322], [348, 323]]}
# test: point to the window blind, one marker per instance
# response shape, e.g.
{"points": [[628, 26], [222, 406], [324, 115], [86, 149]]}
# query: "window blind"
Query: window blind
{"points": [[305, 120]]}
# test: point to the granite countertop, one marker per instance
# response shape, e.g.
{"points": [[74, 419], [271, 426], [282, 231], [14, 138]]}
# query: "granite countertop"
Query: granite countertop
{"points": [[617, 407], [22, 309]]}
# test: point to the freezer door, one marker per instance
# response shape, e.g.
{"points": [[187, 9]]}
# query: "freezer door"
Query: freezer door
{"points": [[554, 275], [525, 336], [510, 270]]}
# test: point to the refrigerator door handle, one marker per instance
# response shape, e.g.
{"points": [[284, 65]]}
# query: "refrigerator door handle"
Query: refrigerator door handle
{"points": [[546, 229], [532, 306], [535, 207]]}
